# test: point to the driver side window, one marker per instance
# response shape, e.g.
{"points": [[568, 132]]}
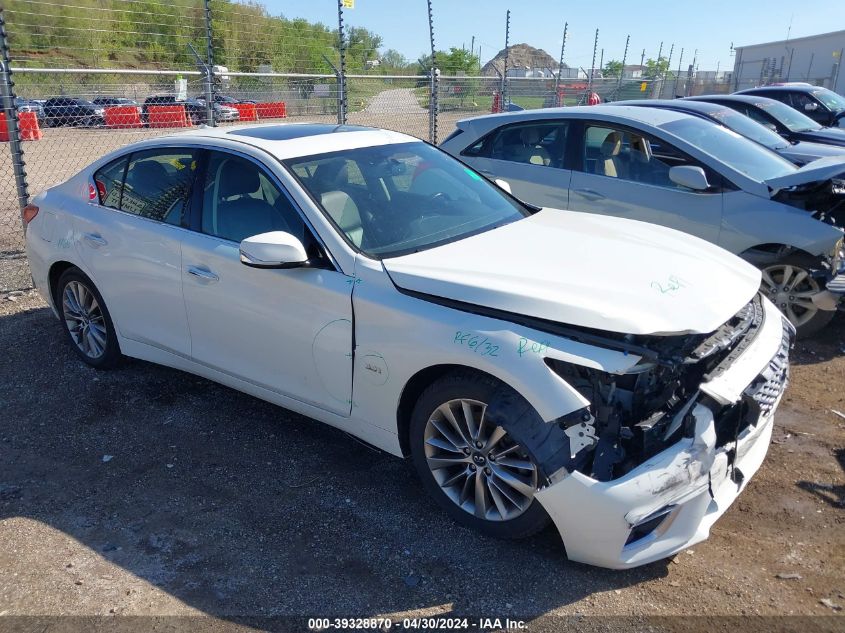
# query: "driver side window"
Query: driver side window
{"points": [[240, 200]]}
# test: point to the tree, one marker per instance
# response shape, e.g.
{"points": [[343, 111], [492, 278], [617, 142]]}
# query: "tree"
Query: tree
{"points": [[656, 69], [612, 68], [393, 59], [361, 46], [455, 61]]}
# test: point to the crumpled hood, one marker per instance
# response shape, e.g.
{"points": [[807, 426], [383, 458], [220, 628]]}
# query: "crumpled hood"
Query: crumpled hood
{"points": [[587, 270], [817, 171]]}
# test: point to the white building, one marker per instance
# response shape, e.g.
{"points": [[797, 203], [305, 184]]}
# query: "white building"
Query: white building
{"points": [[815, 59]]}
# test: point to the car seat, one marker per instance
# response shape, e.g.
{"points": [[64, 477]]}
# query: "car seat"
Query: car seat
{"points": [[238, 214], [609, 164], [343, 210], [530, 151]]}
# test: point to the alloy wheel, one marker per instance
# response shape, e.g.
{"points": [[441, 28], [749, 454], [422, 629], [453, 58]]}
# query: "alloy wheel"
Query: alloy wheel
{"points": [[84, 319], [791, 288], [477, 464]]}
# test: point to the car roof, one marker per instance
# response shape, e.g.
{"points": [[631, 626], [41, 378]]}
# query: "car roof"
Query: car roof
{"points": [[786, 88], [292, 140], [736, 98], [649, 116], [703, 107]]}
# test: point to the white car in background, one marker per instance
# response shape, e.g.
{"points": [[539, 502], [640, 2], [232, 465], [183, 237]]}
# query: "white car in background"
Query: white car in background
{"points": [[683, 172], [614, 377]]}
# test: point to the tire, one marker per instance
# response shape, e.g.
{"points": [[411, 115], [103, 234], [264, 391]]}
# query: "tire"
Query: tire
{"points": [[792, 298], [86, 320], [523, 515]]}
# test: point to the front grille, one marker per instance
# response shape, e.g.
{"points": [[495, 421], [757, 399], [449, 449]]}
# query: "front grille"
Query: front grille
{"points": [[772, 381]]}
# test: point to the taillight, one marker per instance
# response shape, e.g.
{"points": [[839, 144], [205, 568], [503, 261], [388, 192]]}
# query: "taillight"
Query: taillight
{"points": [[29, 213], [92, 193]]}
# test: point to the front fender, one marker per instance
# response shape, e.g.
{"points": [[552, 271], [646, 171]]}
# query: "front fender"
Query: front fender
{"points": [[397, 336], [748, 222]]}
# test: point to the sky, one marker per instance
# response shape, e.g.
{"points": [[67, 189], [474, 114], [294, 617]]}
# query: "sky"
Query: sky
{"points": [[710, 27]]}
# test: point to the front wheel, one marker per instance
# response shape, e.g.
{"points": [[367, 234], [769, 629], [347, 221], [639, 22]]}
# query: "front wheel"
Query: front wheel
{"points": [[86, 320], [472, 467], [789, 284]]}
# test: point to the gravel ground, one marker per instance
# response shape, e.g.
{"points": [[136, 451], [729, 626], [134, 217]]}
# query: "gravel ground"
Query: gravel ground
{"points": [[146, 491]]}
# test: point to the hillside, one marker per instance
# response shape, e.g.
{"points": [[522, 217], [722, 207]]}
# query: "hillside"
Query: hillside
{"points": [[519, 56], [150, 34]]}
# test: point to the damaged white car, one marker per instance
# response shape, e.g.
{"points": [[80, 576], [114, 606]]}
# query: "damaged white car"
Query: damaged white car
{"points": [[613, 377]]}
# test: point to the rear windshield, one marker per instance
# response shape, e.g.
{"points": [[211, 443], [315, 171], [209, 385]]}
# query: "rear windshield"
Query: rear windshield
{"points": [[788, 116], [749, 128]]}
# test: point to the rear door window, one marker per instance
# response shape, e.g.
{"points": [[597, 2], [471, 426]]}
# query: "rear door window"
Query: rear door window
{"points": [[154, 184], [158, 184], [109, 182], [537, 143]]}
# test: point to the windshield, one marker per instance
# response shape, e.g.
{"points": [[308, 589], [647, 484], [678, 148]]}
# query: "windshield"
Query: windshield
{"points": [[788, 116], [749, 128], [832, 100], [728, 147], [390, 200]]}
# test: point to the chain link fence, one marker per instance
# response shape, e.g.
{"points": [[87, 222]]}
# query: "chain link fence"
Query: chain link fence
{"points": [[81, 78]]}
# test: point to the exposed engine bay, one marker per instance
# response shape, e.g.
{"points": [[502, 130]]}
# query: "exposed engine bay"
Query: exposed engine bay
{"points": [[636, 415], [825, 200]]}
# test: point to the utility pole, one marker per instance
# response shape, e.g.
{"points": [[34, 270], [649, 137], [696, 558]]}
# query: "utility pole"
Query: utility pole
{"points": [[642, 59]]}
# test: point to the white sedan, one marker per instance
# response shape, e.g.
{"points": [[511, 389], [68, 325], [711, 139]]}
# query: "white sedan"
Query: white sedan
{"points": [[613, 377]]}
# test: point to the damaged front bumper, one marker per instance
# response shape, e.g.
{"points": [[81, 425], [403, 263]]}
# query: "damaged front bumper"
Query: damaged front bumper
{"points": [[670, 501]]}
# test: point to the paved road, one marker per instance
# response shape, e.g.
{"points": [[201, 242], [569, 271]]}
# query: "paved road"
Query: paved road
{"points": [[395, 101]]}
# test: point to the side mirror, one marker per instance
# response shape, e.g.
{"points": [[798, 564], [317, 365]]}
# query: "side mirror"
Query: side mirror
{"points": [[771, 126], [276, 249], [504, 184], [811, 107], [690, 177]]}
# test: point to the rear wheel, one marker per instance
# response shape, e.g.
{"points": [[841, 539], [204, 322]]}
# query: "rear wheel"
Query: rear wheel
{"points": [[789, 284], [86, 320], [472, 467]]}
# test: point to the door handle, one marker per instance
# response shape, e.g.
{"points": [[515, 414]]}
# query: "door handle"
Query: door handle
{"points": [[95, 240], [590, 194], [203, 274]]}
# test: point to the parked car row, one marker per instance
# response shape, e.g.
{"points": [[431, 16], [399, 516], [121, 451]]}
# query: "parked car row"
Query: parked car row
{"points": [[72, 111], [697, 165]]}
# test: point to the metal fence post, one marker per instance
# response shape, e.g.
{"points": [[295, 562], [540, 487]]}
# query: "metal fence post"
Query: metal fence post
{"points": [[7, 92], [208, 79], [504, 91], [341, 75], [433, 105], [434, 75]]}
